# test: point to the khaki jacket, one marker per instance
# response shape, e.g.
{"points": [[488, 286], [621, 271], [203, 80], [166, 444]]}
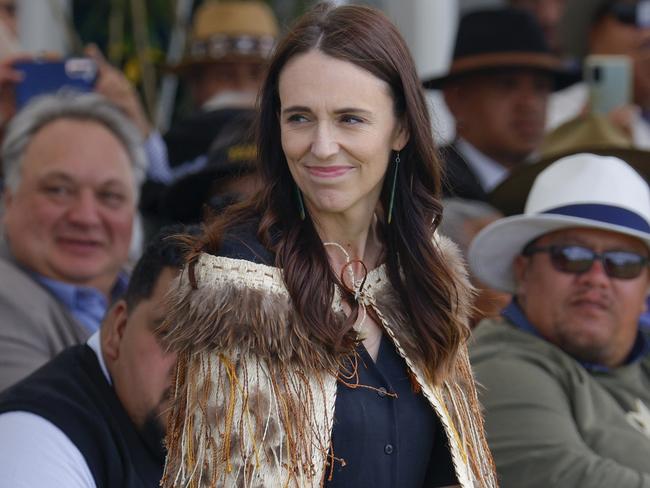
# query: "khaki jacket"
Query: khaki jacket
{"points": [[34, 325]]}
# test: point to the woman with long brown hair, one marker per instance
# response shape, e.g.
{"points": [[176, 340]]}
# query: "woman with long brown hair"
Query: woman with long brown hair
{"points": [[321, 328]]}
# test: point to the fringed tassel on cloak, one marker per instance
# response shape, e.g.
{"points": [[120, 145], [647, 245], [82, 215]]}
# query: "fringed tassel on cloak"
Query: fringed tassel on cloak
{"points": [[238, 422]]}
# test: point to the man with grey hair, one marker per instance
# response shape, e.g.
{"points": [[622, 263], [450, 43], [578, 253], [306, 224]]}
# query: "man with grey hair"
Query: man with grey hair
{"points": [[73, 166]]}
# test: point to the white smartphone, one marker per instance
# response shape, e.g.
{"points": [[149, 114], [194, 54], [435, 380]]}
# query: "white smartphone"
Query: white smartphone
{"points": [[609, 78]]}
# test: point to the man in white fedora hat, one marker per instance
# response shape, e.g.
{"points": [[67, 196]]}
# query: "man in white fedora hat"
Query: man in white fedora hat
{"points": [[566, 370]]}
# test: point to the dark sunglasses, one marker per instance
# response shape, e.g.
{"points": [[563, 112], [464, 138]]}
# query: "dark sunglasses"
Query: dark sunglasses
{"points": [[632, 14], [623, 265]]}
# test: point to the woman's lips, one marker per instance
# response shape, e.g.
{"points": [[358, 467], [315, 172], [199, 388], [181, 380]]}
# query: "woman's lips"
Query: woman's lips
{"points": [[328, 171]]}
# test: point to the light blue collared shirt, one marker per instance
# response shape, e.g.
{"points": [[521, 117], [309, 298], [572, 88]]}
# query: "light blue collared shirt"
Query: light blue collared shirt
{"points": [[87, 304]]}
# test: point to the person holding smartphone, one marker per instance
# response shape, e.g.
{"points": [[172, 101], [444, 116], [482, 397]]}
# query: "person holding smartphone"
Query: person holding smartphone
{"points": [[608, 28]]}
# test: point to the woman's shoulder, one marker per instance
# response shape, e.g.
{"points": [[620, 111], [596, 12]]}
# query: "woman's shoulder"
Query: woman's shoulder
{"points": [[241, 262], [241, 242]]}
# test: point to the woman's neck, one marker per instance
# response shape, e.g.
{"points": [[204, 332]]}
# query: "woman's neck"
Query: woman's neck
{"points": [[344, 241]]}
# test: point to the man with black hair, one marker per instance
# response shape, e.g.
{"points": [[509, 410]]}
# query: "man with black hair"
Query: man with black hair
{"points": [[497, 88], [94, 416]]}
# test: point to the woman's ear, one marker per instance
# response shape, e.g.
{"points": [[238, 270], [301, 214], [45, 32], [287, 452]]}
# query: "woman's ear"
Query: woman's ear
{"points": [[401, 136]]}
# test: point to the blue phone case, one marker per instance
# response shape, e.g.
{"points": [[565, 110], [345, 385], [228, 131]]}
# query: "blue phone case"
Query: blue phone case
{"points": [[43, 77]]}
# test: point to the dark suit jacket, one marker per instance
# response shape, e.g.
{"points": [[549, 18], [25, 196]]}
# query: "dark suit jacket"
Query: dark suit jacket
{"points": [[185, 141], [192, 136], [459, 179]]}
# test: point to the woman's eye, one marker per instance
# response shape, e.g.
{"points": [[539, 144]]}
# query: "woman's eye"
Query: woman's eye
{"points": [[297, 118], [351, 119]]}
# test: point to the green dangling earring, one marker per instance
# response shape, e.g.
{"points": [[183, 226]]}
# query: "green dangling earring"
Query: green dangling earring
{"points": [[392, 190], [301, 205]]}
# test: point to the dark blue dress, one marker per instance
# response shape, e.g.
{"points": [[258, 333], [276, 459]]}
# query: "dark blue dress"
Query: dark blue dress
{"points": [[386, 435]]}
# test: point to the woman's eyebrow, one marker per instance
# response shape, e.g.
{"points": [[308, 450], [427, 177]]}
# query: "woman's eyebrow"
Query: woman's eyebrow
{"points": [[300, 108], [296, 109]]}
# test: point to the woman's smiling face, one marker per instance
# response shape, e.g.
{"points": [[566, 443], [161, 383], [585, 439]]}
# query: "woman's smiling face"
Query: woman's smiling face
{"points": [[338, 128]]}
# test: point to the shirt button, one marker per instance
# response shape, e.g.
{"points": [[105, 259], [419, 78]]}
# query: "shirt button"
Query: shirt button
{"points": [[388, 449], [381, 392]]}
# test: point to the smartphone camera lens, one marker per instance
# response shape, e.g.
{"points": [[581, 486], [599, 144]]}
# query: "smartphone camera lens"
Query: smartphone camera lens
{"points": [[596, 73]]}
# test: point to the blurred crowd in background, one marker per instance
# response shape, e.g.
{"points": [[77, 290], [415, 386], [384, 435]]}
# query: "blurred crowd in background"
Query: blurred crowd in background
{"points": [[163, 134]]}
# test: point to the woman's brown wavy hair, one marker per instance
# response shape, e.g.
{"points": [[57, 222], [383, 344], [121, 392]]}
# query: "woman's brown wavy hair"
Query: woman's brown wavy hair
{"points": [[365, 37]]}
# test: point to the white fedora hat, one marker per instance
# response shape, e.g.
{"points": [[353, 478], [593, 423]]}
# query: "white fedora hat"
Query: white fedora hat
{"points": [[582, 190]]}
